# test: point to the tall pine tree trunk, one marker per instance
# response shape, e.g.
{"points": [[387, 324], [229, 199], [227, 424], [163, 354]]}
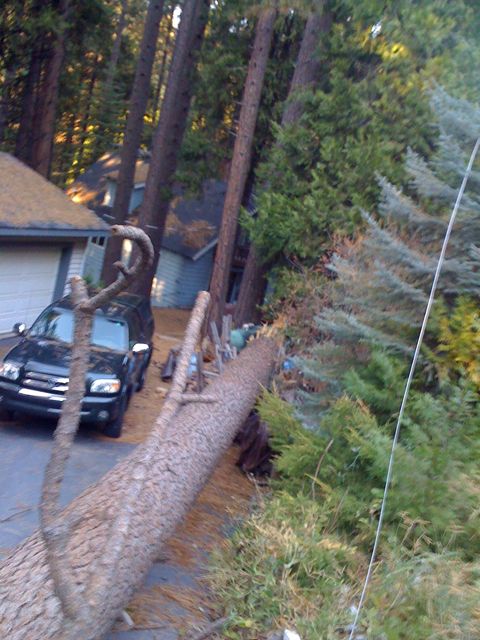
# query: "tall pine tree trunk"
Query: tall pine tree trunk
{"points": [[133, 133], [5, 100], [115, 52], [307, 74], [169, 133], [24, 141], [240, 162], [44, 136], [88, 109], [163, 66]]}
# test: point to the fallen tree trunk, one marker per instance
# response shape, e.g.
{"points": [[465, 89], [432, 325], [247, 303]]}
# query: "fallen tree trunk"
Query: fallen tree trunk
{"points": [[186, 451]]}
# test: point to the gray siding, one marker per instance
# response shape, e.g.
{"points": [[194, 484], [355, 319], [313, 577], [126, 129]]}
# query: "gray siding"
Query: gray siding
{"points": [[177, 281], [167, 279], [195, 278], [136, 198], [93, 262], [76, 265]]}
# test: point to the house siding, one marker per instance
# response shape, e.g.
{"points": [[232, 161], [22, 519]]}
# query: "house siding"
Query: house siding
{"points": [[195, 278], [93, 262], [167, 279], [76, 265], [176, 283]]}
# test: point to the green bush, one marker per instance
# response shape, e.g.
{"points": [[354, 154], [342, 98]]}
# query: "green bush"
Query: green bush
{"points": [[286, 568]]}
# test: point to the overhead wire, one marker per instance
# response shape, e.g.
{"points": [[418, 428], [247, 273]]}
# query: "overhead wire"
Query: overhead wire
{"points": [[408, 384]]}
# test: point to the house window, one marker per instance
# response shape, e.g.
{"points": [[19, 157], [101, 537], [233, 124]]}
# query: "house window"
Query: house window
{"points": [[100, 240], [109, 194]]}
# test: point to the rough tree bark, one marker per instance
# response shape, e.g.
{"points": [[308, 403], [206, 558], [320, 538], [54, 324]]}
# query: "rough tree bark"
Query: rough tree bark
{"points": [[163, 65], [5, 100], [169, 133], [184, 452], [55, 531], [43, 137], [307, 73], [240, 162], [24, 140], [252, 289], [86, 117], [133, 133], [115, 53], [308, 68]]}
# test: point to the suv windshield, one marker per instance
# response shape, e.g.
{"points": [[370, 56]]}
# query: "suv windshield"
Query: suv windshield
{"points": [[57, 324]]}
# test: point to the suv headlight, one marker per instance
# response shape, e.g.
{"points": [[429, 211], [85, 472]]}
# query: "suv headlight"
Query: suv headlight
{"points": [[105, 386], [9, 370]]}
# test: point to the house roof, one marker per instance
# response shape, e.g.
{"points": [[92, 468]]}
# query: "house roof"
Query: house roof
{"points": [[141, 170], [31, 205], [192, 223], [89, 188]]}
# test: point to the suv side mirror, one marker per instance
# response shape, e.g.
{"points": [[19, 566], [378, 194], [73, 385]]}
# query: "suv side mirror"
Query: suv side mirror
{"points": [[140, 347], [20, 328]]}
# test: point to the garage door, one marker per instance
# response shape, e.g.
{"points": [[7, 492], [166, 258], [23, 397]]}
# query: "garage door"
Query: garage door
{"points": [[27, 281]]}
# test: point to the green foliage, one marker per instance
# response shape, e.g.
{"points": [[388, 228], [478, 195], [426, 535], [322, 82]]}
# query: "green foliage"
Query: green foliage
{"points": [[358, 123], [459, 338], [222, 70], [286, 569], [301, 560], [283, 569], [383, 279]]}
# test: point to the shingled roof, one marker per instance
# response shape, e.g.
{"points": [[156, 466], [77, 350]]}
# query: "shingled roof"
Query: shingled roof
{"points": [[89, 188], [29, 203], [192, 223]]}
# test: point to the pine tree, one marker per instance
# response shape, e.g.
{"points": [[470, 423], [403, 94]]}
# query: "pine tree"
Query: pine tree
{"points": [[306, 75], [169, 133], [382, 280], [133, 132], [240, 166]]}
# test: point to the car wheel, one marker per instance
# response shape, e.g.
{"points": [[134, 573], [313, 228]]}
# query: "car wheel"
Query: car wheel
{"points": [[7, 415], [141, 380], [143, 375], [113, 429]]}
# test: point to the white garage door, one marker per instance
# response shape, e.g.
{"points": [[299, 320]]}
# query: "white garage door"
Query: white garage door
{"points": [[27, 281]]}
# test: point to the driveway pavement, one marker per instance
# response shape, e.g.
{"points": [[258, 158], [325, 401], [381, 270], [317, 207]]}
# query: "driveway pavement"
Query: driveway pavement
{"points": [[25, 449]]}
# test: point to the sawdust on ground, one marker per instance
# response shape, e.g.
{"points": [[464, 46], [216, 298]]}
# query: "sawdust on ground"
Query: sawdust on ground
{"points": [[145, 406]]}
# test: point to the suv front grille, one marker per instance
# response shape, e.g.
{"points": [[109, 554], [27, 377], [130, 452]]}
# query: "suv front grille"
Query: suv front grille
{"points": [[45, 382]]}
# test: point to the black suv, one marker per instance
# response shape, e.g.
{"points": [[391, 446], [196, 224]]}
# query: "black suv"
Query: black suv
{"points": [[34, 374]]}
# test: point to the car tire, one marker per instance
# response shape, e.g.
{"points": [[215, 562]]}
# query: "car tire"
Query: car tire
{"points": [[143, 375], [113, 428], [7, 415]]}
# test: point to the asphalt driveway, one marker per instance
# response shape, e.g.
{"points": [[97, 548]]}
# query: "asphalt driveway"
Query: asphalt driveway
{"points": [[25, 447]]}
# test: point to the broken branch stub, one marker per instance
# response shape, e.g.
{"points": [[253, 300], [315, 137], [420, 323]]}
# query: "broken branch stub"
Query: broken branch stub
{"points": [[56, 531]]}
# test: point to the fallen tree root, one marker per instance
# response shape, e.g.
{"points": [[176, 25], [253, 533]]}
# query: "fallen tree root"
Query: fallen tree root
{"points": [[186, 450]]}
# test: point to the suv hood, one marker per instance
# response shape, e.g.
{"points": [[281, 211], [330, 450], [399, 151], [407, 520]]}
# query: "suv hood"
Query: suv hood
{"points": [[48, 356]]}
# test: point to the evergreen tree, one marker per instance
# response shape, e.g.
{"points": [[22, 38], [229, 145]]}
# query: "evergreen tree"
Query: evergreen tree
{"points": [[241, 160], [306, 75], [382, 280], [133, 133], [169, 133]]}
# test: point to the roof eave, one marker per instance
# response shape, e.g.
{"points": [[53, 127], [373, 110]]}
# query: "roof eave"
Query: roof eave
{"points": [[26, 232], [205, 249]]}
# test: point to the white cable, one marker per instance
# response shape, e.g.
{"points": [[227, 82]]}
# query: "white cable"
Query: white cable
{"points": [[408, 384]]}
